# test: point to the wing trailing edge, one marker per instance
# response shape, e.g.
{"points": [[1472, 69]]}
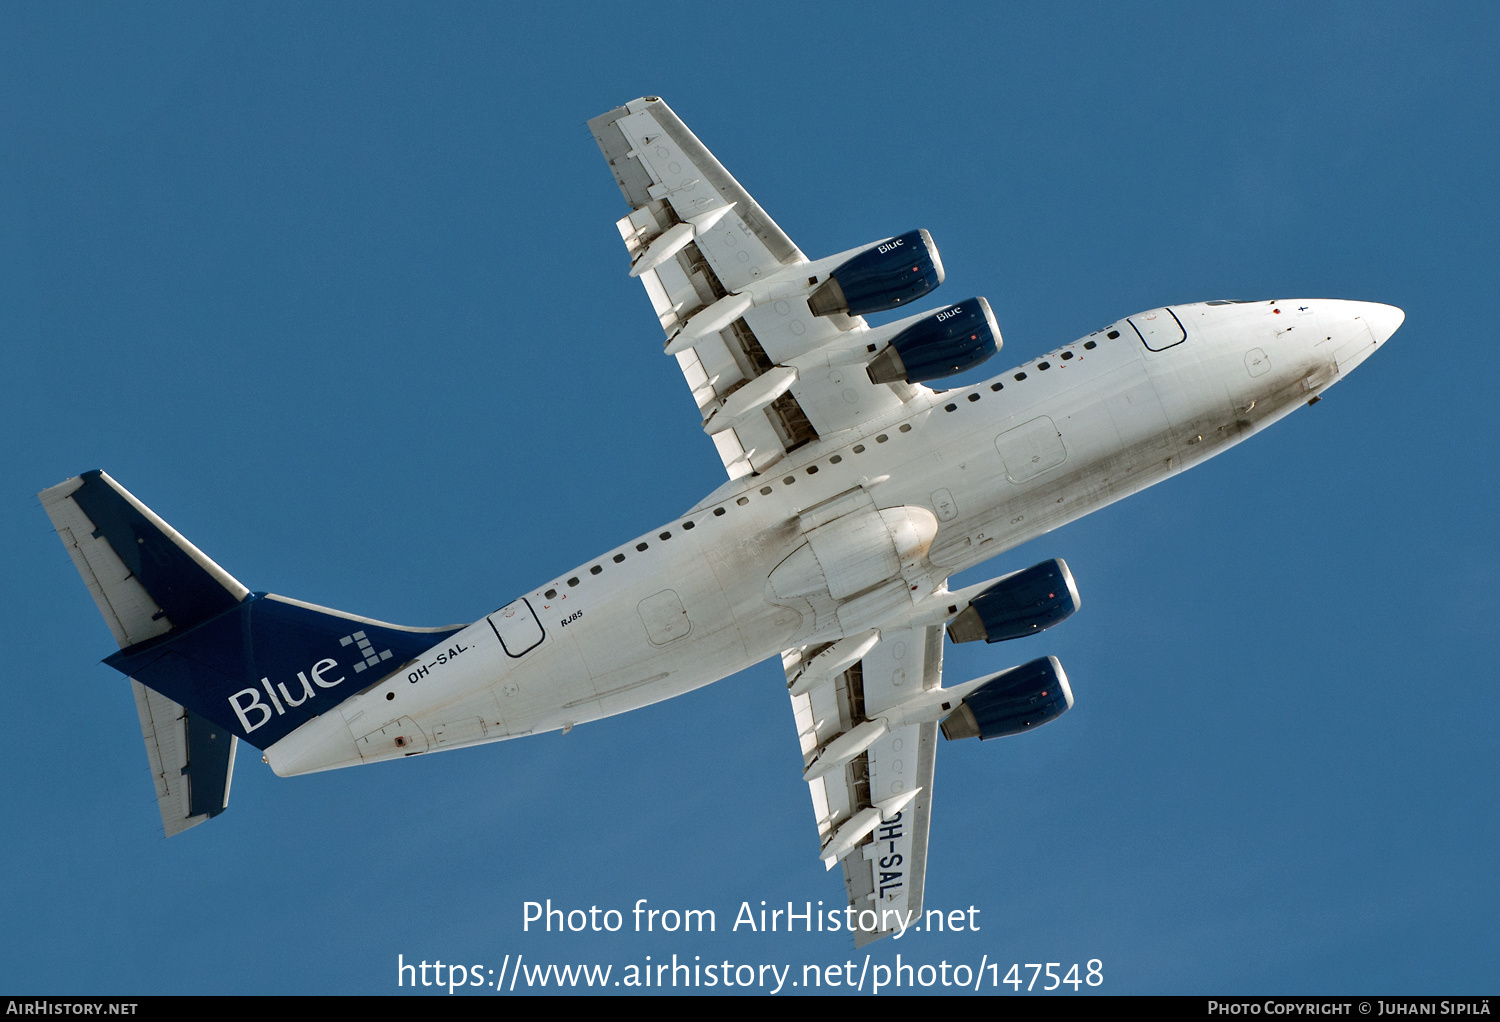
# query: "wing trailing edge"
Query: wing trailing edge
{"points": [[874, 811]]}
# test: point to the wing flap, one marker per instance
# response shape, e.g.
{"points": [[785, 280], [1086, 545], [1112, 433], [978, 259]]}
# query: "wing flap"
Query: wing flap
{"points": [[654, 155], [885, 871], [727, 283], [695, 237], [892, 868]]}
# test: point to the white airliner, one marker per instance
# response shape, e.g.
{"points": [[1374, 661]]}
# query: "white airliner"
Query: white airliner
{"points": [[855, 490]]}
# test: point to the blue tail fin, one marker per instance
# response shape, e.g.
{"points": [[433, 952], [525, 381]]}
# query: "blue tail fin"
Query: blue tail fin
{"points": [[255, 666], [269, 664]]}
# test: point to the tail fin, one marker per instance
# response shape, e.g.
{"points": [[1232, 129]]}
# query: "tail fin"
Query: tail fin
{"points": [[210, 662]]}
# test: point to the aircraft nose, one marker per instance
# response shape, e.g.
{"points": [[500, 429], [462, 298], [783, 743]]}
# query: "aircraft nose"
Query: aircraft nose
{"points": [[1383, 320]]}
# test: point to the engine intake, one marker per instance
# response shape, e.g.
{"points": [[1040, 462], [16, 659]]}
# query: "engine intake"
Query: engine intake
{"points": [[890, 273], [1020, 699], [947, 342], [1018, 605]]}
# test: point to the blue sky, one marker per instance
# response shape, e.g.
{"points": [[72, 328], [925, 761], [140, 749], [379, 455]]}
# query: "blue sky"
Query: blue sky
{"points": [[337, 292]]}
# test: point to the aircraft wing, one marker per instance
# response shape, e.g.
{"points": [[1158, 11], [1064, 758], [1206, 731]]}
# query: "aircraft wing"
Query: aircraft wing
{"points": [[730, 290], [868, 818]]}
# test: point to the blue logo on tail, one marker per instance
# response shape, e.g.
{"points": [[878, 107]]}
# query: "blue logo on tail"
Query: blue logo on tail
{"points": [[224, 668]]}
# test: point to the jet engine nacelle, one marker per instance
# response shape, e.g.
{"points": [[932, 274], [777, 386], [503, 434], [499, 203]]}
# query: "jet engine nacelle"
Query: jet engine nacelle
{"points": [[1020, 699], [1020, 604], [946, 342], [884, 275]]}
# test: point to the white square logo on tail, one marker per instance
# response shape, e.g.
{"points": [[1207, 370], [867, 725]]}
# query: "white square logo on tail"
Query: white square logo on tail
{"points": [[367, 651]]}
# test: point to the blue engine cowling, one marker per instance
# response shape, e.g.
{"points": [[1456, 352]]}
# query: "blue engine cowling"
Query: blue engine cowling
{"points": [[947, 342], [894, 272], [1018, 605], [1020, 699]]}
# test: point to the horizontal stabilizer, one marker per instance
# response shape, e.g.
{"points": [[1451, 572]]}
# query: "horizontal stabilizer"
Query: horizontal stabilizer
{"points": [[146, 578], [209, 661], [148, 581], [192, 760]]}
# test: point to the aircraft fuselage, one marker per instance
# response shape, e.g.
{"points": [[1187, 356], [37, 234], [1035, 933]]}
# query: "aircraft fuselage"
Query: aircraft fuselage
{"points": [[994, 464]]}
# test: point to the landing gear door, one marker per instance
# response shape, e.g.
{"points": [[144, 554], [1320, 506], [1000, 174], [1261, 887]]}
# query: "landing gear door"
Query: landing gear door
{"points": [[1159, 328], [517, 628]]}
